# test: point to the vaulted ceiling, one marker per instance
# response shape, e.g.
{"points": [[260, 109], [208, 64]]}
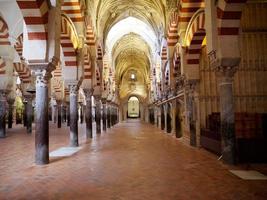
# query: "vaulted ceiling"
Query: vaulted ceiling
{"points": [[130, 32]]}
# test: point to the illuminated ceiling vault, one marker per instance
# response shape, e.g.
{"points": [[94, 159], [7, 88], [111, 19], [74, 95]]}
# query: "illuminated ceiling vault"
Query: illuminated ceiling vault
{"points": [[130, 30]]}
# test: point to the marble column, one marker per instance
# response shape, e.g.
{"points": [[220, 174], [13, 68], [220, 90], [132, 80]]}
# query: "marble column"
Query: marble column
{"points": [[108, 117], [81, 113], [226, 75], [10, 112], [3, 103], [104, 103], [41, 123], [29, 113], [73, 88], [59, 113], [25, 113], [68, 113], [98, 114], [88, 113], [191, 86]]}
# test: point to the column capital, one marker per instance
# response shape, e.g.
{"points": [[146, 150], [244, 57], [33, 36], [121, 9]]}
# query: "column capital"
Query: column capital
{"points": [[191, 85], [73, 87], [225, 67], [104, 100], [3, 95], [88, 93], [28, 97]]}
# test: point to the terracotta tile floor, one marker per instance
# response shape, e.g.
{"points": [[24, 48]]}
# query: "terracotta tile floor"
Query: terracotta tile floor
{"points": [[130, 161]]}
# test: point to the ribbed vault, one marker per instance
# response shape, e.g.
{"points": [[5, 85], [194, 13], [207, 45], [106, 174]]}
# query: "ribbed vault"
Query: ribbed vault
{"points": [[109, 12]]}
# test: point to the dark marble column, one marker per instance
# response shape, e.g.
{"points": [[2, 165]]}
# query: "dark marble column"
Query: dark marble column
{"points": [[3, 103], [190, 90], [10, 112], [98, 114], [74, 115], [108, 117], [59, 113], [226, 75], [81, 113], [68, 113], [29, 113], [43, 74], [55, 112], [104, 103], [88, 113], [25, 113]]}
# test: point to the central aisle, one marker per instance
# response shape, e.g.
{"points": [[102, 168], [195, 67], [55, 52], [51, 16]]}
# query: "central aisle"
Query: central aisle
{"points": [[132, 160]]}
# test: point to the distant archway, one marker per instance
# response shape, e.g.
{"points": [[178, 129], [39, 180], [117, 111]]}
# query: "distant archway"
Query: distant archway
{"points": [[133, 110]]}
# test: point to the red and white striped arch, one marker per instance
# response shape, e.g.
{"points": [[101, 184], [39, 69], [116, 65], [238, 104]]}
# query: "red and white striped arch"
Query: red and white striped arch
{"points": [[99, 53], [35, 14], [187, 10], [229, 13], [195, 35], [87, 67], [2, 66], [172, 38], [72, 8], [23, 72], [19, 45], [57, 73], [164, 54], [58, 85], [68, 48], [90, 39], [4, 41]]}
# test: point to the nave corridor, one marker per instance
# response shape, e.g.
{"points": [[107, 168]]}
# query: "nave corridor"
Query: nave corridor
{"points": [[132, 160]]}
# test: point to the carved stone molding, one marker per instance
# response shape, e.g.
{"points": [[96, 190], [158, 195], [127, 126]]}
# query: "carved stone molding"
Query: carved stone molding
{"points": [[73, 88], [88, 93], [3, 94]]}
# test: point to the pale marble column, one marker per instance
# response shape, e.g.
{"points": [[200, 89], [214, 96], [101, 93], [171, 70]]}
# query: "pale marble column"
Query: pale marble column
{"points": [[3, 103], [73, 88]]}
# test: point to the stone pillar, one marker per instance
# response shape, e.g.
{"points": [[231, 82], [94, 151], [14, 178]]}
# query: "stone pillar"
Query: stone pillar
{"points": [[81, 113], [108, 117], [73, 88], [98, 114], [68, 113], [41, 123], [29, 113], [3, 102], [10, 112], [226, 75], [88, 113], [55, 112], [104, 103], [25, 113], [59, 113], [191, 87]]}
